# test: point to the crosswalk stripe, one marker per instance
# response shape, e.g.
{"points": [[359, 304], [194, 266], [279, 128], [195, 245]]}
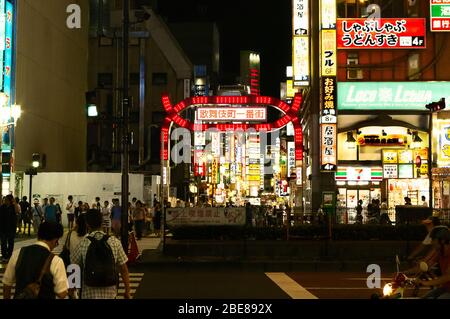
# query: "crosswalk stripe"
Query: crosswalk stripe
{"points": [[135, 281], [290, 286]]}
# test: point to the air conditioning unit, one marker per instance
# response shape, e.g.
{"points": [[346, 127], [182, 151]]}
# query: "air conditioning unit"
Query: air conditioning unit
{"points": [[353, 73]]}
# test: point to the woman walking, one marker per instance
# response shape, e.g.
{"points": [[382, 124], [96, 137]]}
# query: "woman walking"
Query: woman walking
{"points": [[139, 219]]}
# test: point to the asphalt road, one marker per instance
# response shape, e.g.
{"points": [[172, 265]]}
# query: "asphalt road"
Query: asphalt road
{"points": [[235, 284]]}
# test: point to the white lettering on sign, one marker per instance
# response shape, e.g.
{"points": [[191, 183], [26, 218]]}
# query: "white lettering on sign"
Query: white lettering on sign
{"points": [[401, 95], [231, 114], [74, 19]]}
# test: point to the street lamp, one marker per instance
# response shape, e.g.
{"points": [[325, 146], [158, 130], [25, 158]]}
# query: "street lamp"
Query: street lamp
{"points": [[32, 171]]}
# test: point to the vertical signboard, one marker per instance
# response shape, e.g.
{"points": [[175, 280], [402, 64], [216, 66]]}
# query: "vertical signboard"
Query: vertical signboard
{"points": [[2, 38], [328, 89], [300, 42], [440, 15]]}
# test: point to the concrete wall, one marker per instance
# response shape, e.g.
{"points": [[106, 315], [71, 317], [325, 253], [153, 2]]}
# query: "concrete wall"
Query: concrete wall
{"points": [[51, 81], [82, 186]]}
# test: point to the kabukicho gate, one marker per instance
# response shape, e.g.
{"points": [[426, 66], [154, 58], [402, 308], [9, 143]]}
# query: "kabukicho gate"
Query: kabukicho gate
{"points": [[241, 148]]}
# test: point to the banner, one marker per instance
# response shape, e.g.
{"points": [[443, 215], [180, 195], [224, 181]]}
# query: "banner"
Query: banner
{"points": [[205, 216], [395, 33]]}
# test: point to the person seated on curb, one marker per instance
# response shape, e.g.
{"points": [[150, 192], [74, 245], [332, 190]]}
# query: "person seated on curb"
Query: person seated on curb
{"points": [[26, 265]]}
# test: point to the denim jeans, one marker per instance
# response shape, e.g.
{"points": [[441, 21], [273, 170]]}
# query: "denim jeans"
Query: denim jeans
{"points": [[438, 293]]}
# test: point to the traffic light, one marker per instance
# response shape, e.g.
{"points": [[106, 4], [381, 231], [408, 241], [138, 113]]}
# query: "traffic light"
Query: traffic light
{"points": [[436, 106]]}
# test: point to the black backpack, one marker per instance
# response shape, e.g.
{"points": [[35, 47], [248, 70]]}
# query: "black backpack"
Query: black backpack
{"points": [[100, 265]]}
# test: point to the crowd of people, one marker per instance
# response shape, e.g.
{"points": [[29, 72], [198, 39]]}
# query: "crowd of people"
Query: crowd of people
{"points": [[20, 217]]}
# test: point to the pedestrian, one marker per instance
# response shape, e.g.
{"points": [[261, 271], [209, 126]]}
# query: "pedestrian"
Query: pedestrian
{"points": [[384, 216], [116, 215], [157, 219], [19, 215], [50, 212], [58, 213], [424, 201], [78, 209], [78, 232], [100, 256], [8, 223], [25, 214], [38, 215], [359, 216], [44, 206], [27, 263], [407, 200], [130, 216], [106, 213], [97, 204], [139, 219], [70, 209], [425, 248], [148, 219]]}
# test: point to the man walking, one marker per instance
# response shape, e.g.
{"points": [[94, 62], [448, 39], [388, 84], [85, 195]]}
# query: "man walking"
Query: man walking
{"points": [[27, 263], [70, 209], [116, 213], [25, 214], [100, 256], [8, 222], [38, 215]]}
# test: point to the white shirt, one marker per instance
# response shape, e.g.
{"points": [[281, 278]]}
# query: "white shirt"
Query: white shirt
{"points": [[70, 208], [57, 270]]}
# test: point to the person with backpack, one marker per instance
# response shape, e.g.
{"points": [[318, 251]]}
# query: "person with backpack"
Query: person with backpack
{"points": [[36, 265], [101, 259]]}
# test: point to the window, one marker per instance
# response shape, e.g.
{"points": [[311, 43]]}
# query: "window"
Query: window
{"points": [[352, 72], [159, 78], [104, 79]]}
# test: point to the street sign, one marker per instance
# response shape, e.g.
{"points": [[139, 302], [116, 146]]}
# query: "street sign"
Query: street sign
{"points": [[440, 15]]}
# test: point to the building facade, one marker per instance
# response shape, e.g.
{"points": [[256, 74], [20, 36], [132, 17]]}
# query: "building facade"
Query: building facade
{"points": [[48, 79]]}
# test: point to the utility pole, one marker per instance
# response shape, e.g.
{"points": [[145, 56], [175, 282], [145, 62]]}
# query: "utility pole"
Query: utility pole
{"points": [[125, 130]]}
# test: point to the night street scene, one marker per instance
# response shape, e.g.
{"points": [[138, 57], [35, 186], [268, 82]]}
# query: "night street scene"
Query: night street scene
{"points": [[244, 151]]}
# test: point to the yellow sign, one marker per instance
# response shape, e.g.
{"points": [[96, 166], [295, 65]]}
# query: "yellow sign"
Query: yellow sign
{"points": [[329, 64], [253, 178], [390, 157], [405, 156], [444, 143], [424, 169], [290, 90]]}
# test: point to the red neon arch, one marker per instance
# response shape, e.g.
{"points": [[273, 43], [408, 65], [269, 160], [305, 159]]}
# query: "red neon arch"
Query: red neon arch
{"points": [[290, 115]]}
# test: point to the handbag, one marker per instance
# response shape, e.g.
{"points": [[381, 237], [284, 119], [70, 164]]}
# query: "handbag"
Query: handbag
{"points": [[31, 291], [65, 253]]}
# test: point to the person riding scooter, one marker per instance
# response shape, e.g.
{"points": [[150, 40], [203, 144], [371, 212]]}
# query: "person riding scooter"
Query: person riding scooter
{"points": [[441, 242]]}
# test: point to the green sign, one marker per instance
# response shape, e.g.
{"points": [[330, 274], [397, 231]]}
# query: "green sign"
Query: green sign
{"points": [[440, 15], [390, 95], [440, 10]]}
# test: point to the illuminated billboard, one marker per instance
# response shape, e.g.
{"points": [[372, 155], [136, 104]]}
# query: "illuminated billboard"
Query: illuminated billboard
{"points": [[392, 33]]}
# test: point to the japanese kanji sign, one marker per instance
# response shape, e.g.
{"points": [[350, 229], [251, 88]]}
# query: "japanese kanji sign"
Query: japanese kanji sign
{"points": [[440, 15], [328, 100], [329, 64], [398, 33], [300, 17], [328, 148], [231, 114], [300, 60]]}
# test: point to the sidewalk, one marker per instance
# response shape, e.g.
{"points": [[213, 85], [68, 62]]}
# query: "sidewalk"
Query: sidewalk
{"points": [[146, 243]]}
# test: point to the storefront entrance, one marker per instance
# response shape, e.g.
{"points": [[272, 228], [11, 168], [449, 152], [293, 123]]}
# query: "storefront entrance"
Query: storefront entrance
{"points": [[348, 198]]}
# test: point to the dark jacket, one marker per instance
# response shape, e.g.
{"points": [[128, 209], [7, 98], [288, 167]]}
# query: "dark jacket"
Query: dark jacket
{"points": [[34, 255], [8, 219]]}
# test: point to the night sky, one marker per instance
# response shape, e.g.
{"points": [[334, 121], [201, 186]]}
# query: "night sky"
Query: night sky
{"points": [[243, 25]]}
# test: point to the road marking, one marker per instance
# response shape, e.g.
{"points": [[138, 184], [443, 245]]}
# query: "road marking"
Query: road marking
{"points": [[365, 279], [135, 281], [290, 286], [351, 288]]}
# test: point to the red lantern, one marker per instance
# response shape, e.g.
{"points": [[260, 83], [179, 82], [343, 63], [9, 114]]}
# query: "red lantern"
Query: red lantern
{"points": [[418, 161]]}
